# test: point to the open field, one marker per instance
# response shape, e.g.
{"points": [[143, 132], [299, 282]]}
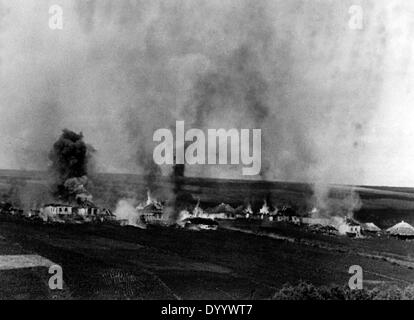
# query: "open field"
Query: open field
{"points": [[106, 261]]}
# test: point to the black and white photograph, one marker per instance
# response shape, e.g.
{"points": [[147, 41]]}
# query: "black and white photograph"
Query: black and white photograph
{"points": [[206, 150]]}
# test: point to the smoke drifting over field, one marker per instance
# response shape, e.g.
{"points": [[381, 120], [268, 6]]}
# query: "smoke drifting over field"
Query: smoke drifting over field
{"points": [[120, 70]]}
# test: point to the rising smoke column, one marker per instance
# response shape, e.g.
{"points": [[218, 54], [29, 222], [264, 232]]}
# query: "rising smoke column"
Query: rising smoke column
{"points": [[236, 92], [179, 199], [70, 160]]}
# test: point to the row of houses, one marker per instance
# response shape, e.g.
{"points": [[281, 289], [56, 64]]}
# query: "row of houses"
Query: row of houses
{"points": [[61, 212], [87, 212], [344, 226], [226, 211], [351, 227], [152, 211]]}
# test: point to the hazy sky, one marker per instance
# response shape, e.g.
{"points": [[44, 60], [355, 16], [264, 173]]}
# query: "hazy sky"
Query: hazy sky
{"points": [[334, 102]]}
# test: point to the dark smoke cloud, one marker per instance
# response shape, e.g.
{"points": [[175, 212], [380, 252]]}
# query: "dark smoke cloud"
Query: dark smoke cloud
{"points": [[70, 161]]}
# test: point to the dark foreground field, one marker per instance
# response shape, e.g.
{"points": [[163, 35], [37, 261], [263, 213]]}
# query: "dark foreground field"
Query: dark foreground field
{"points": [[105, 261]]}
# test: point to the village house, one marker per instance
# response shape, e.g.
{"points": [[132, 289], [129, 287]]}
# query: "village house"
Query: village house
{"points": [[87, 211], [370, 228], [65, 212], [354, 231], [57, 209], [350, 227], [402, 230], [284, 214], [151, 212], [222, 211], [279, 217]]}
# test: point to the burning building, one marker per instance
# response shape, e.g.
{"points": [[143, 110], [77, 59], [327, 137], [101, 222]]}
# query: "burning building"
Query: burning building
{"points": [[248, 211], [71, 158], [264, 210], [65, 212], [55, 212], [152, 212], [350, 228]]}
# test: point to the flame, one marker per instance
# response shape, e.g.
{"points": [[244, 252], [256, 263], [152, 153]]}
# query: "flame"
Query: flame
{"points": [[149, 198], [248, 209], [315, 212], [265, 208], [198, 211]]}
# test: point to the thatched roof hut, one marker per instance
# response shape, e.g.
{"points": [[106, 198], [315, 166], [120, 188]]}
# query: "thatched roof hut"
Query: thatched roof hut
{"points": [[402, 230], [370, 227], [221, 208]]}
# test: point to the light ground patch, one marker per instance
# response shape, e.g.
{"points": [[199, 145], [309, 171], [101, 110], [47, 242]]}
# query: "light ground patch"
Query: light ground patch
{"points": [[10, 262]]}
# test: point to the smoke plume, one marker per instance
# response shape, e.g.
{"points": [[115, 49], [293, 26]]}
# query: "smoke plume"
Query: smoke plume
{"points": [[335, 202], [70, 160], [125, 210]]}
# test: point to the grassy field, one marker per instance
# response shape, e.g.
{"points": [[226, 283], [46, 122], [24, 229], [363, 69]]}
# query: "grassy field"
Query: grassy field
{"points": [[105, 261]]}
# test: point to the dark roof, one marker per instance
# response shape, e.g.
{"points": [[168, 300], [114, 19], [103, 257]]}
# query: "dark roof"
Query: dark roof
{"points": [[87, 204], [151, 208], [352, 222], [287, 211]]}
